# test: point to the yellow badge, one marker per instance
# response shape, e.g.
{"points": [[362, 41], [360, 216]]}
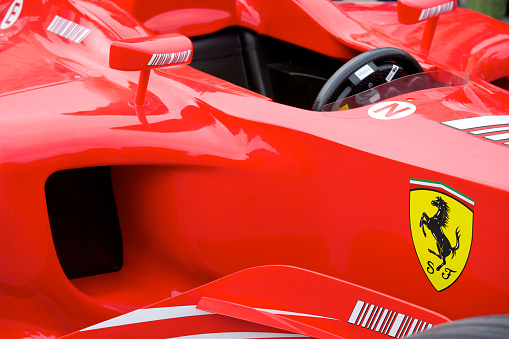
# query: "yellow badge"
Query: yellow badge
{"points": [[441, 222]]}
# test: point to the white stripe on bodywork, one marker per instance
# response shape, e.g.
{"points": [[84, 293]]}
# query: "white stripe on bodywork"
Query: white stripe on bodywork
{"points": [[149, 314], [368, 315], [377, 316], [356, 311], [490, 130], [412, 327], [498, 137], [165, 313], [477, 122], [279, 312], [241, 335]]}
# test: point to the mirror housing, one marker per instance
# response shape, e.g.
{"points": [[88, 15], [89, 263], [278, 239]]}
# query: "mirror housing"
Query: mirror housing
{"points": [[150, 52], [143, 54], [414, 11]]}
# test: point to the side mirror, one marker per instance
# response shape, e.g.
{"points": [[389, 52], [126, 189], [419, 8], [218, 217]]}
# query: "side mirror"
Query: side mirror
{"points": [[414, 11], [143, 54]]}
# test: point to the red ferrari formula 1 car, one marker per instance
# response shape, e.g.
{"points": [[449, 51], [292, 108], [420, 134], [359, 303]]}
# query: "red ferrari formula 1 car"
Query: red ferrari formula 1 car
{"points": [[252, 169]]}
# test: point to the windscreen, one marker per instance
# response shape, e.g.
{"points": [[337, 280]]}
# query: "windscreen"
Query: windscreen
{"points": [[407, 84]]}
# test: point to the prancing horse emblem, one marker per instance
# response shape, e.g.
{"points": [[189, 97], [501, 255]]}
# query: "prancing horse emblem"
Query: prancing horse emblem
{"points": [[448, 215], [436, 224]]}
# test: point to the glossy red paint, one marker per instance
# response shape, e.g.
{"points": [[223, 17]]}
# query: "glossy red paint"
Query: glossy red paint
{"points": [[143, 54], [139, 53], [210, 178], [357, 26], [413, 11], [287, 301]]}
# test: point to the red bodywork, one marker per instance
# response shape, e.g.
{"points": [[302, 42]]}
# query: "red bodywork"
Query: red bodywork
{"points": [[210, 178]]}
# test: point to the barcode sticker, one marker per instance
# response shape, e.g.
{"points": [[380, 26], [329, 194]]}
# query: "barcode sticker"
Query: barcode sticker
{"points": [[363, 72], [437, 10], [392, 73], [384, 321], [68, 29], [169, 58]]}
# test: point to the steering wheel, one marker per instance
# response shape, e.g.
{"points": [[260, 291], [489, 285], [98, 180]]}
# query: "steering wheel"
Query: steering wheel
{"points": [[365, 71]]}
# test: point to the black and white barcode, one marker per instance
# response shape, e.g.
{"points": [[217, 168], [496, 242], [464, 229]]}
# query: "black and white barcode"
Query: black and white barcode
{"points": [[169, 58], [437, 10], [68, 29], [385, 321], [364, 71]]}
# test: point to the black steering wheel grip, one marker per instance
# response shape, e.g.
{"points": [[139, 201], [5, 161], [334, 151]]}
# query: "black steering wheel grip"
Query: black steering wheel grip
{"points": [[367, 70]]}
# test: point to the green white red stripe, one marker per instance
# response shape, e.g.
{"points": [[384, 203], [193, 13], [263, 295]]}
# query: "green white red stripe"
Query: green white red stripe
{"points": [[436, 184]]}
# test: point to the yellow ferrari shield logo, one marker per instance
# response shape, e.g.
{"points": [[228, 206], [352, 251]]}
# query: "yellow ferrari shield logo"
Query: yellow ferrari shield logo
{"points": [[441, 222]]}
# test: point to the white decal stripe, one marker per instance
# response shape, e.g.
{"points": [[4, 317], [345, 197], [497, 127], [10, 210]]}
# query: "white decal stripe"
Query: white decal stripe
{"points": [[149, 314], [362, 314], [387, 325], [68, 29], [53, 23], [292, 313], [375, 316], [437, 10], [412, 327], [355, 313], [169, 58], [83, 35], [71, 32], [477, 122], [404, 330], [161, 60], [151, 61], [241, 335], [395, 326], [368, 314], [417, 328], [423, 13], [402, 327], [481, 122], [423, 327], [64, 29], [444, 187], [490, 130], [498, 137], [381, 320], [157, 58], [390, 322]]}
